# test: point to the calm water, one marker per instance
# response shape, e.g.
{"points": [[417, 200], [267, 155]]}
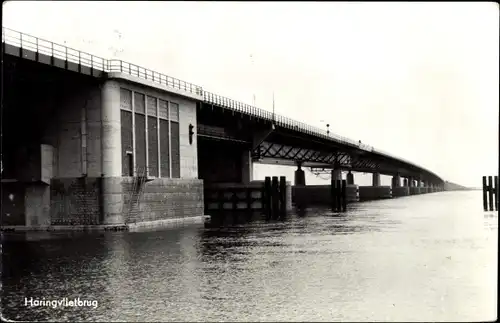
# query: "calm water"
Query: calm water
{"points": [[422, 258]]}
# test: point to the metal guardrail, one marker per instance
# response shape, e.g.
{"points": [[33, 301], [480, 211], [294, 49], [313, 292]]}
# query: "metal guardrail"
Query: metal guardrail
{"points": [[289, 123], [115, 65], [279, 120], [38, 45], [45, 47]]}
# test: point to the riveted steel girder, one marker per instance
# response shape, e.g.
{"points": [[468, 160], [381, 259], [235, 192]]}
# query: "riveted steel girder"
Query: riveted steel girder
{"points": [[273, 150]]}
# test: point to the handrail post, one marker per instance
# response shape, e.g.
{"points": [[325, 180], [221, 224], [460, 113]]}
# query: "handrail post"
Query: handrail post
{"points": [[20, 45], [37, 55]]}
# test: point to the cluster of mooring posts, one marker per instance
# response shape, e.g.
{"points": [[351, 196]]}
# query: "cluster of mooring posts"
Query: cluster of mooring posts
{"points": [[490, 193], [338, 195], [274, 197], [268, 197]]}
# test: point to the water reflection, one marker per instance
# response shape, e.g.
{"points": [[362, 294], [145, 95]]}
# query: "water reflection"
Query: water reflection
{"points": [[404, 259]]}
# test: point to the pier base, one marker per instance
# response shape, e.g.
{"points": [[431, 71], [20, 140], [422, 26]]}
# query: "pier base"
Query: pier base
{"points": [[400, 191], [352, 193], [367, 193]]}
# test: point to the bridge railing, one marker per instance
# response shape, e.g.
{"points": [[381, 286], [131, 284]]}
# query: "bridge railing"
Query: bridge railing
{"points": [[48, 48], [280, 120], [115, 65], [406, 161], [45, 47]]}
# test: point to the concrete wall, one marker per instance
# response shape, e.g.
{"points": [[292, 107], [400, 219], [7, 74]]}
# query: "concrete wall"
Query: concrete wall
{"points": [[162, 198], [78, 201], [400, 191], [374, 192], [352, 193], [257, 185], [321, 194], [78, 112], [37, 204], [75, 201], [13, 204]]}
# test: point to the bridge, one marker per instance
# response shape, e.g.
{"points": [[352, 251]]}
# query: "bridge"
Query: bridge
{"points": [[89, 140]]}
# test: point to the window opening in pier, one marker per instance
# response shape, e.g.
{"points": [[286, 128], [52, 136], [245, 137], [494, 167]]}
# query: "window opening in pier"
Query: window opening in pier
{"points": [[153, 125]]}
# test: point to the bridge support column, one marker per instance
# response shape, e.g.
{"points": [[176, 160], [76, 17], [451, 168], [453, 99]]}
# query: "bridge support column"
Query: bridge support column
{"points": [[336, 174], [410, 182], [111, 159], [246, 167], [396, 181], [376, 179], [350, 178], [405, 182], [300, 177]]}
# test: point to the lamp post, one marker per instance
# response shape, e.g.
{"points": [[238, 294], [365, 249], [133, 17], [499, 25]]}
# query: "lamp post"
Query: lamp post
{"points": [[327, 127], [253, 69]]}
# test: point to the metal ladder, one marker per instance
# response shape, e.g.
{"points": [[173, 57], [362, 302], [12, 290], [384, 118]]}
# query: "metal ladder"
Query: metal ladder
{"points": [[136, 192]]}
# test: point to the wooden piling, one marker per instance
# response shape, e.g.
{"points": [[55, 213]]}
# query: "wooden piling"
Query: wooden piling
{"points": [[338, 194], [496, 193], [344, 195], [333, 199], [234, 199], [282, 191], [275, 197], [220, 197], [248, 192], [490, 191], [266, 197], [485, 194]]}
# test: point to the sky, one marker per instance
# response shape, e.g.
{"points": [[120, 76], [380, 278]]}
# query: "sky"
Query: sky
{"points": [[418, 80]]}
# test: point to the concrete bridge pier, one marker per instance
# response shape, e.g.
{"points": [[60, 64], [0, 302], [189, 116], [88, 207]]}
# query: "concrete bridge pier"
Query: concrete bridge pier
{"points": [[428, 187], [413, 185], [300, 177], [336, 174], [375, 192], [352, 190], [418, 186], [376, 179], [397, 189], [350, 178], [396, 181], [246, 167], [111, 177]]}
